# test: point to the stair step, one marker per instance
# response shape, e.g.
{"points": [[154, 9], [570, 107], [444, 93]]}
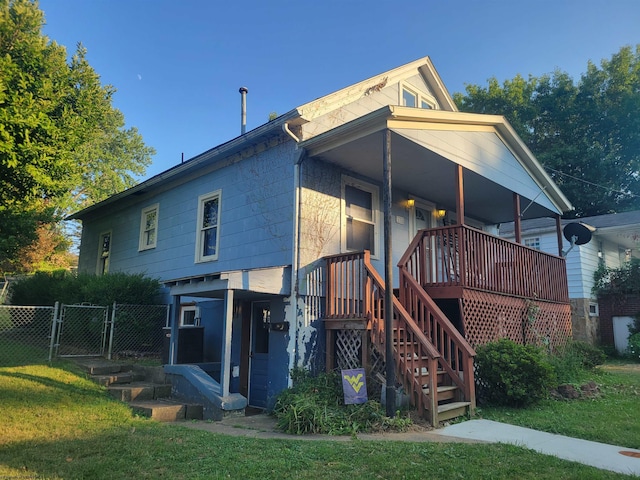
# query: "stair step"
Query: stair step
{"points": [[116, 378], [99, 366], [165, 410], [447, 411], [139, 391], [425, 372], [445, 392]]}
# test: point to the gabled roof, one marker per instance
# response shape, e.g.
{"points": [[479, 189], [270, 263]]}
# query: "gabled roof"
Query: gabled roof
{"points": [[339, 98], [349, 130]]}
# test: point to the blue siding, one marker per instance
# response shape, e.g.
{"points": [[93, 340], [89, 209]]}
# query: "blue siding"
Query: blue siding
{"points": [[278, 375], [256, 226]]}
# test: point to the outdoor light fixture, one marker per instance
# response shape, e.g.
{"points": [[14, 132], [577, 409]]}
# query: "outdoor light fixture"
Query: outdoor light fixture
{"points": [[410, 203], [440, 214]]}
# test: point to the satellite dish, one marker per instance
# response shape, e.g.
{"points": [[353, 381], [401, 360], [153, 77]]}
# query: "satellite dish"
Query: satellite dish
{"points": [[577, 234]]}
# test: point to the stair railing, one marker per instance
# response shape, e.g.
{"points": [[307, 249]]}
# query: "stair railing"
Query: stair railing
{"points": [[418, 267], [456, 353], [356, 290]]}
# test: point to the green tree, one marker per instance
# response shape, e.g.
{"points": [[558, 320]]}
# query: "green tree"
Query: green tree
{"points": [[62, 143], [586, 133]]}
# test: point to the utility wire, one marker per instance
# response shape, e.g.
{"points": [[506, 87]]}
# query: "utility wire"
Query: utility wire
{"points": [[593, 184]]}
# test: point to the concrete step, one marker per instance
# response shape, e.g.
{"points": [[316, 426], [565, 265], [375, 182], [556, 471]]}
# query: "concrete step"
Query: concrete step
{"points": [[117, 378], [138, 391], [100, 366], [166, 410], [447, 411]]}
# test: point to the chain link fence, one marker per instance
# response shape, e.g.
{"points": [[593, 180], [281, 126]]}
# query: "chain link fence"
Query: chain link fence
{"points": [[137, 330], [31, 335], [25, 334]]}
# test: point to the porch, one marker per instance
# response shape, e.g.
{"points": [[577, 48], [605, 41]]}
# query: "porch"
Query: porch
{"points": [[458, 287]]}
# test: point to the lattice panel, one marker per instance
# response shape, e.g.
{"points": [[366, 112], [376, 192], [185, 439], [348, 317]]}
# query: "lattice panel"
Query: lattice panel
{"points": [[348, 349], [376, 361], [488, 317]]}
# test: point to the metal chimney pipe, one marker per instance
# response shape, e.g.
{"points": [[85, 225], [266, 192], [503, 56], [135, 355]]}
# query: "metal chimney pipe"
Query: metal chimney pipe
{"points": [[243, 109]]}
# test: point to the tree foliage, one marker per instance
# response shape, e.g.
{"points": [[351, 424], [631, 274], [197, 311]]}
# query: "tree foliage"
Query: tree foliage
{"points": [[62, 143], [586, 133]]}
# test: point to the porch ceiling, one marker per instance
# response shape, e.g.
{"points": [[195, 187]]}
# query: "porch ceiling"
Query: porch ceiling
{"points": [[424, 163]]}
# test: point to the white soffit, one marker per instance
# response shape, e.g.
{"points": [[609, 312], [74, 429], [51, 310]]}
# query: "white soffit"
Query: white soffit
{"points": [[484, 153]]}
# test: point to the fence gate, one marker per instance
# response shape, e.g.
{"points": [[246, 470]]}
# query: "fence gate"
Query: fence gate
{"points": [[80, 330]]}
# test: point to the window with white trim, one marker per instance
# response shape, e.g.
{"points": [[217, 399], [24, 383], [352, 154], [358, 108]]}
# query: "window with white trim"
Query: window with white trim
{"points": [[359, 216], [189, 315], [208, 234], [148, 227], [410, 97], [532, 242], [104, 253]]}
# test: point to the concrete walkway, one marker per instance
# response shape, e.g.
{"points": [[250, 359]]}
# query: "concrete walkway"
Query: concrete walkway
{"points": [[599, 455]]}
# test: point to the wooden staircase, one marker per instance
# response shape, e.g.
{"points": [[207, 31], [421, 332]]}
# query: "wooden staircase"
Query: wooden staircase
{"points": [[434, 363], [143, 388]]}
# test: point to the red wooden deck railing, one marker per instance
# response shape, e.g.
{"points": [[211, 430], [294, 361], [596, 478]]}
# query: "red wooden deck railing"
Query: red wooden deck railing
{"points": [[356, 290], [461, 256]]}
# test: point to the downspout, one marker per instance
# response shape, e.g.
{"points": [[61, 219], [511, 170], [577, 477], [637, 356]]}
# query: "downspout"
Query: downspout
{"points": [[295, 251]]}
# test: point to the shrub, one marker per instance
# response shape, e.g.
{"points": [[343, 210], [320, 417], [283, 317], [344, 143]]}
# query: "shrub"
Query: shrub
{"points": [[571, 362], [617, 281], [589, 355], [46, 288], [510, 374], [315, 404], [633, 349]]}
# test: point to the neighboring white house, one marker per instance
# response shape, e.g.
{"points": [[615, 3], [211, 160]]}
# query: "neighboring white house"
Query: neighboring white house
{"points": [[615, 240], [239, 234]]}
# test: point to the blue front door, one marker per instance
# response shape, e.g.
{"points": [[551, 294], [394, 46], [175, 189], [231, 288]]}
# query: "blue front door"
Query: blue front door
{"points": [[259, 356]]}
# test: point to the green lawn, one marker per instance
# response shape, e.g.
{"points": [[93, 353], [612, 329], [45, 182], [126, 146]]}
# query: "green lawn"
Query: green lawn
{"points": [[612, 417], [58, 425]]}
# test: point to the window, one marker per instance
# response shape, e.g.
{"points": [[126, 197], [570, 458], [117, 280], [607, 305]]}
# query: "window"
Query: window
{"points": [[359, 216], [412, 98], [148, 227], [189, 316], [532, 242], [593, 310], [409, 99], [104, 253], [208, 227]]}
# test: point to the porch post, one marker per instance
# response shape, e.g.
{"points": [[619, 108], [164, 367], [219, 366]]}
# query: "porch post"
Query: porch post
{"points": [[459, 195], [388, 275], [175, 322], [559, 233], [225, 367], [517, 227]]}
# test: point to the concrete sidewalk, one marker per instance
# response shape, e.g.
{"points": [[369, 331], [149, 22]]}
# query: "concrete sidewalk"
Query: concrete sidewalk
{"points": [[599, 455]]}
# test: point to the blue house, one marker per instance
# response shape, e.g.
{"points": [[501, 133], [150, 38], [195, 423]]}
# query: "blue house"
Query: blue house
{"points": [[270, 245]]}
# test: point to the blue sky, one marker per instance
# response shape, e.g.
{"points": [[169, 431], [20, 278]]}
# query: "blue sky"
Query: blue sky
{"points": [[177, 64]]}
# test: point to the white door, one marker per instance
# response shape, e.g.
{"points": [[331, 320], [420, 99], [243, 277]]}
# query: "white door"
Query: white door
{"points": [[621, 332], [420, 217]]}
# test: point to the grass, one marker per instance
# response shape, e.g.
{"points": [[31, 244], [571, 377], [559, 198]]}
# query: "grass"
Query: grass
{"points": [[611, 418], [58, 425]]}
